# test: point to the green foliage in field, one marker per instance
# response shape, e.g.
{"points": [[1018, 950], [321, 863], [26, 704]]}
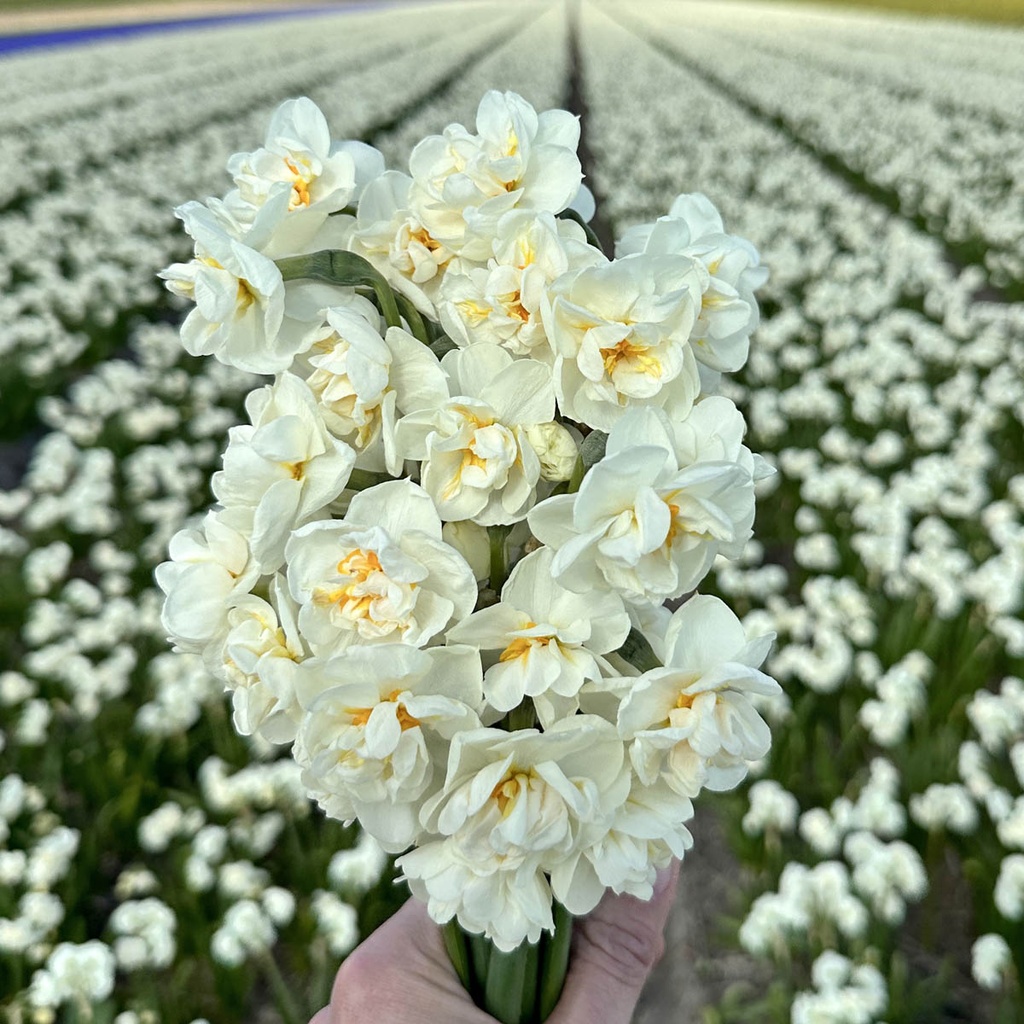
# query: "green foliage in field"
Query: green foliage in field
{"points": [[1009, 11]]}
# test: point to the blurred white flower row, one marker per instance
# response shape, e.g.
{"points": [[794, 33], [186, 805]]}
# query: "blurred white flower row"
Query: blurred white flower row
{"points": [[895, 403]]}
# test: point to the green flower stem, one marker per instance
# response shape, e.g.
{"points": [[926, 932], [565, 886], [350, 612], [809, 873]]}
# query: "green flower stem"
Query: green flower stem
{"points": [[554, 962], [360, 479], [503, 987], [457, 945], [519, 987], [523, 716], [480, 955], [413, 318], [283, 998], [346, 269], [531, 983], [499, 556], [638, 652], [577, 475]]}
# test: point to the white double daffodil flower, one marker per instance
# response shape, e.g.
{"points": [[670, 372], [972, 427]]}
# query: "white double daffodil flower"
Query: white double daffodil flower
{"points": [[373, 741], [621, 332], [320, 176], [513, 806], [284, 469], [692, 722], [364, 383], [477, 461], [502, 302], [551, 640], [728, 309], [651, 516], [380, 575], [210, 567], [518, 159], [258, 661]]}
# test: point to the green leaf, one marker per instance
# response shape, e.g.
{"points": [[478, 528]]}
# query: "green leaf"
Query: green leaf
{"points": [[345, 269], [638, 652], [591, 236]]}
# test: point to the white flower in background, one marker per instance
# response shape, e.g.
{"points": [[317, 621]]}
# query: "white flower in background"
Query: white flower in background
{"points": [[363, 382], [888, 875], [284, 469], [846, 993], [692, 722], [391, 236], [80, 972], [259, 660], [515, 805], [501, 304], [239, 294], [518, 159], [805, 896], [1008, 895], [771, 808], [649, 518], [945, 807], [551, 639], [376, 731], [246, 930], [991, 961], [476, 460], [321, 177], [382, 574], [621, 334], [337, 921], [145, 934], [359, 868], [210, 566], [728, 310]]}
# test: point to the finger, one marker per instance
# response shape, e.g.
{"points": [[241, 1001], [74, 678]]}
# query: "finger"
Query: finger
{"points": [[401, 973], [614, 951]]}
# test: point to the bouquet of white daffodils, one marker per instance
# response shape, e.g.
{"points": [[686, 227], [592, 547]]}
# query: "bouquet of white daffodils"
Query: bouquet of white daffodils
{"points": [[442, 545]]}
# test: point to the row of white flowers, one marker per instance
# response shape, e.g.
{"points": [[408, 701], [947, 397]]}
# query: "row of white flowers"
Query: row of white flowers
{"points": [[893, 399], [82, 245], [915, 147]]}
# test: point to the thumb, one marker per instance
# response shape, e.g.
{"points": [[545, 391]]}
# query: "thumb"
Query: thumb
{"points": [[615, 948]]}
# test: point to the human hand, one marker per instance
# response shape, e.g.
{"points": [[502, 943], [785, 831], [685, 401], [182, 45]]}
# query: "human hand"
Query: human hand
{"points": [[401, 973]]}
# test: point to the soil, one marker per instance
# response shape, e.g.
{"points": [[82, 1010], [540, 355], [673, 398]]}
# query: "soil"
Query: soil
{"points": [[699, 965]]}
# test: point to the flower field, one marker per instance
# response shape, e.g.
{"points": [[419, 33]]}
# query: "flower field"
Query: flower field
{"points": [[157, 867]]}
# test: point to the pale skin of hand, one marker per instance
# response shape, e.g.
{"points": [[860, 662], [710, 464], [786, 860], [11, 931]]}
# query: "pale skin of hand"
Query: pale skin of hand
{"points": [[401, 974]]}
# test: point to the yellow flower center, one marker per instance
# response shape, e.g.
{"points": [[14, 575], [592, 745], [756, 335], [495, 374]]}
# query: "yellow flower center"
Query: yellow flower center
{"points": [[245, 297], [506, 791], [300, 186], [358, 566], [360, 716], [626, 352], [426, 239], [520, 647]]}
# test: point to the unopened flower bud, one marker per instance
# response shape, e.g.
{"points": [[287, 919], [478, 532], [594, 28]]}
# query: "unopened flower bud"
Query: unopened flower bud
{"points": [[555, 447]]}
